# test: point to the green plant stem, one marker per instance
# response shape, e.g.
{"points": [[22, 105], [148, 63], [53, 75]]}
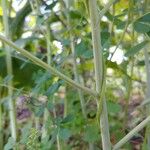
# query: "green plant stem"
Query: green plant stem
{"points": [[37, 121], [131, 133], [49, 54], [128, 94], [75, 70], [47, 67], [46, 112], [147, 64], [1, 128], [57, 136], [81, 96], [99, 72], [9, 72], [106, 8], [122, 37]]}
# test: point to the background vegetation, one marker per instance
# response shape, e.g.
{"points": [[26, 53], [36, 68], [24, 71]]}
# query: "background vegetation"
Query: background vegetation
{"points": [[103, 46]]}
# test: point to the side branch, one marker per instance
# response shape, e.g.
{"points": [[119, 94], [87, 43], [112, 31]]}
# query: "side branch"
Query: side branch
{"points": [[106, 8], [131, 133], [38, 62]]}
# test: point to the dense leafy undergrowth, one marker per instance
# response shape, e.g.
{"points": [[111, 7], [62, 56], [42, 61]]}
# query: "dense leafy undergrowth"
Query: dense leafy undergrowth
{"points": [[41, 111]]}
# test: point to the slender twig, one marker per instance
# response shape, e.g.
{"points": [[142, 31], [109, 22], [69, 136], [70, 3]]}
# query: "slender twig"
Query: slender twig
{"points": [[1, 126], [124, 32], [47, 67], [46, 112], [75, 70], [106, 8], [131, 133], [99, 72], [121, 39], [9, 72]]}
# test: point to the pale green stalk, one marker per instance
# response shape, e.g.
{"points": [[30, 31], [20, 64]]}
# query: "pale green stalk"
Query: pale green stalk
{"points": [[65, 107], [147, 64], [81, 96], [9, 72], [1, 127], [58, 142], [57, 136], [99, 72], [36, 118], [46, 112], [44, 65], [124, 32], [37, 121], [106, 8], [131, 134]]}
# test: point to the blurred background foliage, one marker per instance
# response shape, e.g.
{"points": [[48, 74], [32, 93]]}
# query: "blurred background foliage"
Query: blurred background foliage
{"points": [[125, 32]]}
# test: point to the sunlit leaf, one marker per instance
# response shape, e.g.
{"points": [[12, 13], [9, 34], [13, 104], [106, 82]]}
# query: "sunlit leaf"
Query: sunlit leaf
{"points": [[133, 50], [68, 118], [10, 144], [142, 25], [113, 107], [91, 134], [64, 133]]}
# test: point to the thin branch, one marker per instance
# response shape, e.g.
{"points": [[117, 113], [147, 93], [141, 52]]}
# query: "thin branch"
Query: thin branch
{"points": [[131, 133], [9, 72], [47, 67], [75, 70], [106, 8]]}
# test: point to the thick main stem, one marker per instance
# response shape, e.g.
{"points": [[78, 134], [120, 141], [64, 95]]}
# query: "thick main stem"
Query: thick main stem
{"points": [[1, 127], [99, 72], [9, 72], [147, 64]]}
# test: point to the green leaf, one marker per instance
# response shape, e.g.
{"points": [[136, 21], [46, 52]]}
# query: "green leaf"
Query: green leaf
{"points": [[68, 118], [132, 51], [80, 49], [87, 55], [83, 51], [7, 79], [113, 107], [65, 42], [142, 25], [75, 14], [105, 39], [2, 52], [52, 89], [41, 79], [10, 144], [39, 111], [23, 41], [64, 133], [25, 133], [91, 134], [50, 106]]}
